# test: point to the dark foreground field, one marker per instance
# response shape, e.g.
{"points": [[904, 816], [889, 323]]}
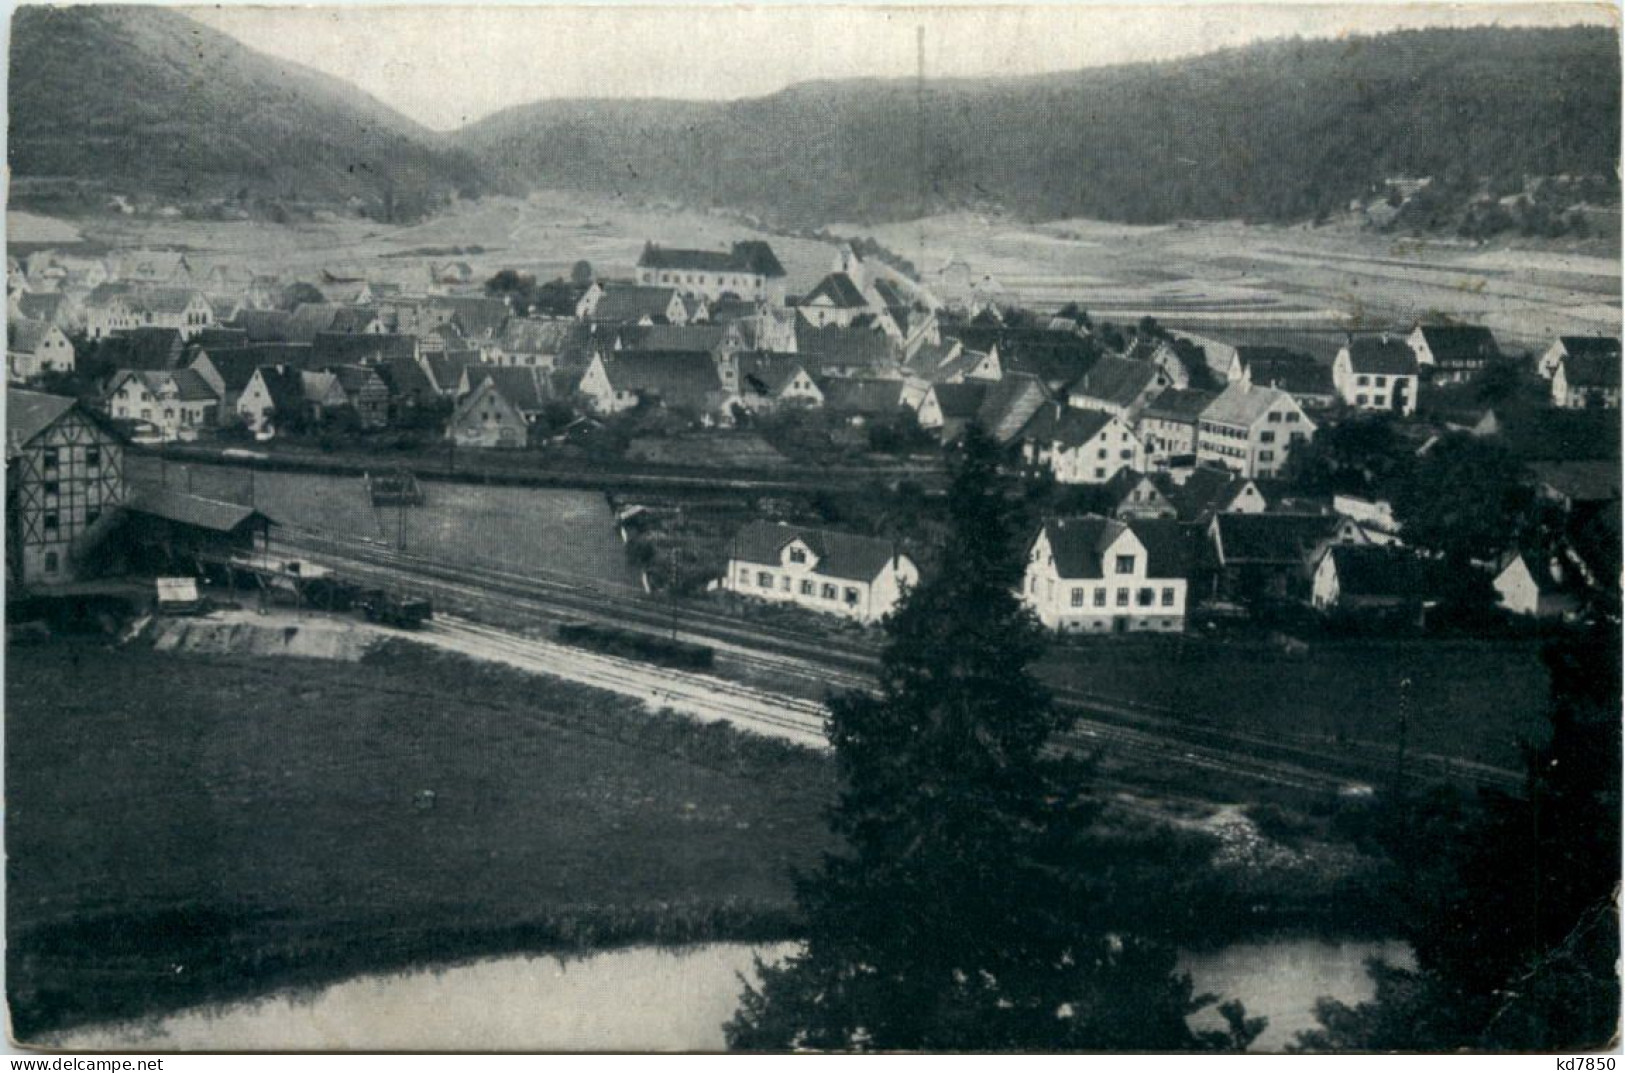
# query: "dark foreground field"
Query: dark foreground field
{"points": [[1476, 700], [182, 830]]}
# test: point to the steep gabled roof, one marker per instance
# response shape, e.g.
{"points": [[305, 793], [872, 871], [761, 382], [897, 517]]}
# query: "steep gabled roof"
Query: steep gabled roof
{"points": [[623, 303], [839, 290], [1460, 344], [1590, 345], [285, 385], [218, 338], [354, 378], [1177, 404], [521, 385], [338, 348], [1115, 381], [1592, 371], [1274, 539], [1298, 375], [1380, 356], [1077, 544], [191, 387], [962, 401], [1241, 404], [28, 413], [262, 325], [1066, 425], [446, 368], [666, 337], [524, 336], [766, 373], [752, 256], [405, 378], [168, 300], [846, 556], [835, 346], [677, 378], [1010, 404], [479, 318]]}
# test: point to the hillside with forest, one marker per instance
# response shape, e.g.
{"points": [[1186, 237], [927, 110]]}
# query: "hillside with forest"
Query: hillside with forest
{"points": [[1281, 131], [152, 107]]}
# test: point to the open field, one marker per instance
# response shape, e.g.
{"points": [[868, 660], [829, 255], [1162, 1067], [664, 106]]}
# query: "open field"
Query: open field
{"points": [[544, 234], [1471, 699], [542, 530], [1213, 275], [210, 827], [1231, 275]]}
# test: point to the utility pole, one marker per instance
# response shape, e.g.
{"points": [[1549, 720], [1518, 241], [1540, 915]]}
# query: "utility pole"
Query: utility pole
{"points": [[1404, 737], [400, 523], [671, 584]]}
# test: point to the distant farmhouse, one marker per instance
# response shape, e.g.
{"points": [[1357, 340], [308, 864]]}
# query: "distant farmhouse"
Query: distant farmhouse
{"points": [[749, 270]]}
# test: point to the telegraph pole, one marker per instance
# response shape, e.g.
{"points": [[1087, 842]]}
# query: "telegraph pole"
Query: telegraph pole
{"points": [[671, 584]]}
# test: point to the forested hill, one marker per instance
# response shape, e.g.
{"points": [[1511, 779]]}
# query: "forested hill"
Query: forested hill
{"points": [[1278, 131], [150, 104]]}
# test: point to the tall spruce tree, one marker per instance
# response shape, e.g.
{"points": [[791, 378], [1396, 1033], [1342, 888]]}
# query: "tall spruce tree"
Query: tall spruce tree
{"points": [[965, 910]]}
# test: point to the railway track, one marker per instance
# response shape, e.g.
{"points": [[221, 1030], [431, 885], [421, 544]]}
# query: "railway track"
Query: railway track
{"points": [[1147, 732]]}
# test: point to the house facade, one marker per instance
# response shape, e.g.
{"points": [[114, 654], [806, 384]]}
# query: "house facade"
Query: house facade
{"points": [[834, 573], [1252, 430], [178, 405], [1587, 382], [64, 477], [1081, 446], [33, 349], [485, 417], [749, 270], [1535, 591], [1101, 575], [1376, 373]]}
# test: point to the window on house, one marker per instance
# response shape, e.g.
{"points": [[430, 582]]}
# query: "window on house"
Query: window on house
{"points": [[1266, 456], [1298, 437], [1100, 597], [1100, 474], [1077, 597], [51, 458], [1122, 597], [51, 562], [1292, 418], [744, 577], [1125, 564], [51, 522], [1363, 381], [764, 579], [1103, 452], [1146, 597], [806, 588], [828, 592], [1382, 381], [1267, 436], [1359, 400], [1167, 597], [1379, 400], [1274, 418], [91, 516], [851, 596], [784, 583], [52, 488], [798, 555]]}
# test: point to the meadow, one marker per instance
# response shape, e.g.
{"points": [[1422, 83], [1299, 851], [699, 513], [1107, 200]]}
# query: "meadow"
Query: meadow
{"points": [[184, 830]]}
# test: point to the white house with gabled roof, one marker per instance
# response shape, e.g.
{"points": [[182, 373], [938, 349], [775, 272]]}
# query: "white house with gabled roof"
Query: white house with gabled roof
{"points": [[856, 577], [1252, 430], [1100, 575]]}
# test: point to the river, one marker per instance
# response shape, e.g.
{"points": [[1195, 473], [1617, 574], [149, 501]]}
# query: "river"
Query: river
{"points": [[648, 999]]}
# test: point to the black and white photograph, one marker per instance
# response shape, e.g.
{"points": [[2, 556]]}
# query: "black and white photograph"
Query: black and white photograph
{"points": [[684, 528]]}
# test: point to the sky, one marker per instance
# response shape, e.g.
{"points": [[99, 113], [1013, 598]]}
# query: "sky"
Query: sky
{"points": [[447, 66]]}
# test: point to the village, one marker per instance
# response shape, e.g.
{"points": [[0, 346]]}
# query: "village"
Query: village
{"points": [[1174, 477]]}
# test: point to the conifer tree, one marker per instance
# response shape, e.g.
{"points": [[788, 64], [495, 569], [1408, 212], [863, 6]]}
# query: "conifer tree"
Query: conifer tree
{"points": [[959, 913]]}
